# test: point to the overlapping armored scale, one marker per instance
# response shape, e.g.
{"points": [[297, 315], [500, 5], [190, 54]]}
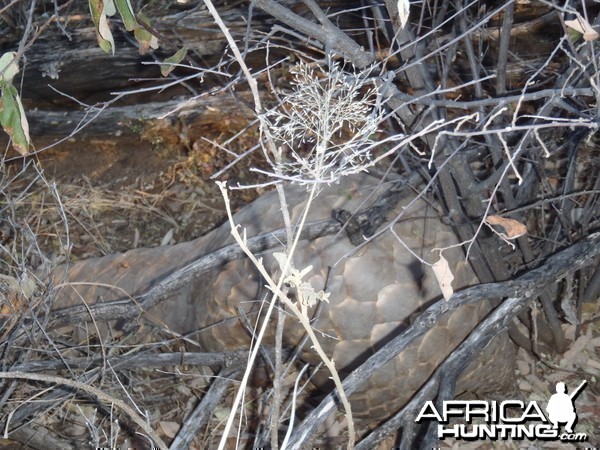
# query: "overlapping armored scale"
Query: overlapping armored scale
{"points": [[375, 292]]}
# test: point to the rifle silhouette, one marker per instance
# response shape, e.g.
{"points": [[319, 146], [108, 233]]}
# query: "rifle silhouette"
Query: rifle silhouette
{"points": [[576, 391]]}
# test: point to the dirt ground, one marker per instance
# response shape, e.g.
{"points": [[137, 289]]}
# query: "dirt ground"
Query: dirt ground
{"points": [[144, 188]]}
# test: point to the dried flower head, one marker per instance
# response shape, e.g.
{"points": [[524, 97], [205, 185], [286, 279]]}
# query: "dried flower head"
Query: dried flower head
{"points": [[324, 125]]}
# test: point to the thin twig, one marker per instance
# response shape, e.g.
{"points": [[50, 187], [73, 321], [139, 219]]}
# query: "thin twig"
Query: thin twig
{"points": [[100, 395]]}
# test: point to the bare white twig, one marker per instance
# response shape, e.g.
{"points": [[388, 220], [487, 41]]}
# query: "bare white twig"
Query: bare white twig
{"points": [[299, 313]]}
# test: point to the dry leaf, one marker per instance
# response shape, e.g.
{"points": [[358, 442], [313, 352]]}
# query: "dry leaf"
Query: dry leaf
{"points": [[24, 127], [444, 277], [15, 294], [576, 354], [168, 237], [512, 228], [171, 61], [99, 9], [403, 12], [104, 31], [8, 66], [584, 27], [169, 429]]}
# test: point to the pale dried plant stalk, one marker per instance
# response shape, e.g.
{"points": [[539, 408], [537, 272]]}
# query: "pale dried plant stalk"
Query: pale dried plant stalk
{"points": [[322, 130], [300, 310], [325, 125]]}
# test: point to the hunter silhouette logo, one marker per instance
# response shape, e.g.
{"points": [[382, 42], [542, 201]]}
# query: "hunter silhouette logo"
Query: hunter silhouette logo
{"points": [[560, 407], [509, 419]]}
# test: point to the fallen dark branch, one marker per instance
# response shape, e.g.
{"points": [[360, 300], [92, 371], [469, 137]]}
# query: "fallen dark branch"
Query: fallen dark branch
{"points": [[144, 360], [125, 308], [329, 35], [193, 424], [496, 101], [46, 403]]}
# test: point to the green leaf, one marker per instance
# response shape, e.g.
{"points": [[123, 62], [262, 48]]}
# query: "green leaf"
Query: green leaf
{"points": [[8, 66], [99, 10], [167, 67], [12, 118], [145, 38], [126, 12], [109, 8]]}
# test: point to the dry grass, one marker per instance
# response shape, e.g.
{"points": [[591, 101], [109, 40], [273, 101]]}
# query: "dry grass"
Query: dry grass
{"points": [[45, 223]]}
